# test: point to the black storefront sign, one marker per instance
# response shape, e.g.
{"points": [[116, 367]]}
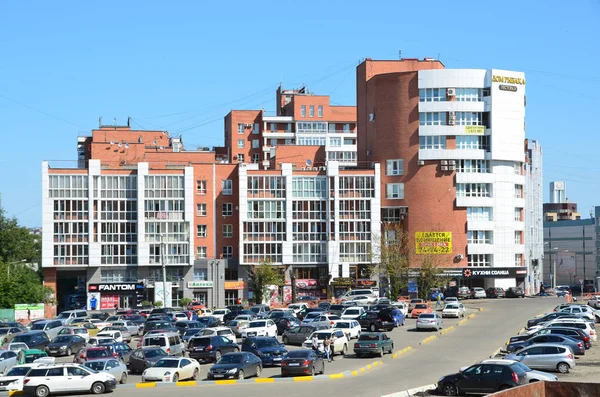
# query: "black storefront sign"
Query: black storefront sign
{"points": [[511, 88], [478, 272], [117, 288], [342, 282]]}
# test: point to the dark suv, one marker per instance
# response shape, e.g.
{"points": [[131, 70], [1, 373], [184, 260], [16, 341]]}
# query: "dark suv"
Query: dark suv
{"points": [[483, 378], [210, 348], [515, 292], [376, 320], [268, 349], [33, 339]]}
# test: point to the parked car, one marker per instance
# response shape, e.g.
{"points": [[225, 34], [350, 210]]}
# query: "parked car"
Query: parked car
{"points": [[237, 326], [532, 375], [145, 357], [515, 292], [429, 321], [478, 293], [49, 379], [302, 314], [285, 323], [13, 379], [325, 320], [185, 325], [209, 321], [100, 315], [351, 328], [402, 306], [70, 316], [372, 321], [580, 323], [33, 339], [92, 353], [352, 313], [302, 362], [15, 346], [16, 324], [74, 330], [220, 331], [7, 334], [110, 366], [170, 342], [482, 378], [311, 316], [297, 307], [453, 310], [574, 333], [172, 369], [546, 318], [260, 309], [100, 341], [546, 356], [8, 359], [159, 324], [268, 349], [576, 346], [130, 326], [464, 292], [260, 328], [220, 313], [111, 333], [34, 356], [340, 341], [120, 350], [451, 299], [236, 365], [211, 348], [396, 315], [373, 343], [495, 292], [419, 309], [581, 311], [65, 345], [297, 335], [594, 302], [50, 327]]}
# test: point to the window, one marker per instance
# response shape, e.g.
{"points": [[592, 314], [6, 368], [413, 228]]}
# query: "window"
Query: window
{"points": [[255, 157], [473, 190], [303, 111], [335, 142], [255, 128], [469, 118], [200, 209], [241, 128], [200, 275], [227, 185], [517, 214], [394, 167], [479, 213], [118, 276], [266, 187], [479, 237], [432, 94], [260, 209], [394, 190], [200, 187], [255, 143], [200, 230], [273, 127], [473, 166], [432, 118], [315, 127], [240, 143], [393, 214], [469, 94], [74, 371], [479, 260], [473, 142], [311, 141], [241, 157], [432, 142], [227, 252], [311, 111], [518, 260], [231, 297], [320, 111], [227, 209], [518, 191], [200, 252], [288, 127], [518, 234], [310, 187], [227, 231]]}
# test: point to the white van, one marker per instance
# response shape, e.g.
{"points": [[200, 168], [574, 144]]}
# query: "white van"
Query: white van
{"points": [[116, 335], [170, 342], [72, 316], [357, 292]]}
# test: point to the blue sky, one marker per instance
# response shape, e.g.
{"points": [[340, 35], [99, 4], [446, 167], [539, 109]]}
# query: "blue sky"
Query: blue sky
{"points": [[182, 66]]}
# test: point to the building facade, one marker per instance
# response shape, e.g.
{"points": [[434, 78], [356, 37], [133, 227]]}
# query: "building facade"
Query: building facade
{"points": [[533, 232]]}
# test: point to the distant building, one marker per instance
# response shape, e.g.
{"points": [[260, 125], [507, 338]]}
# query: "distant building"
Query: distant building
{"points": [[559, 208], [558, 192]]}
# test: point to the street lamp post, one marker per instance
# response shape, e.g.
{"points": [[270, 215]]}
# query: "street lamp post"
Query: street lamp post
{"points": [[553, 268]]}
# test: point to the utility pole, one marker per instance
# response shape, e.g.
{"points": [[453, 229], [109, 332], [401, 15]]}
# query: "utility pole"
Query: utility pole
{"points": [[164, 268]]}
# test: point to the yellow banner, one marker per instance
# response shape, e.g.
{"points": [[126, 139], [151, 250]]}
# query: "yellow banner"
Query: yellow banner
{"points": [[437, 243], [474, 129]]}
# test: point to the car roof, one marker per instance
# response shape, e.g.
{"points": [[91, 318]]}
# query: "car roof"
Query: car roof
{"points": [[104, 360], [97, 348], [498, 362], [545, 344], [218, 328]]}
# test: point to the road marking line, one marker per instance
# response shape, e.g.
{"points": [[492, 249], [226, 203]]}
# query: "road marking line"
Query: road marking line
{"points": [[145, 385], [187, 383], [336, 376], [226, 382], [15, 393], [303, 378], [264, 380]]}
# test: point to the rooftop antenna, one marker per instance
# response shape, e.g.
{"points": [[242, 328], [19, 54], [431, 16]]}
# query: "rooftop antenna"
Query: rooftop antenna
{"points": [[114, 121], [99, 122], [399, 54]]}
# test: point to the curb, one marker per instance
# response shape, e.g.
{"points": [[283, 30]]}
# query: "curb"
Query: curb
{"points": [[427, 340], [445, 331], [411, 392], [402, 351], [495, 353]]}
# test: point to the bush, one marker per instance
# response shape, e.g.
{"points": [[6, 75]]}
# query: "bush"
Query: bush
{"points": [[185, 302], [146, 304], [158, 304]]}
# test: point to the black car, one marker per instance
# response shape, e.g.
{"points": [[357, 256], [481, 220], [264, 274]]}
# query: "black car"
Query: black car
{"points": [[483, 378], [233, 314], [324, 306], [65, 345], [137, 319], [211, 348], [574, 333], [549, 317], [145, 357], [577, 346], [209, 321], [15, 324], [495, 292], [33, 339], [190, 333], [184, 325], [120, 349], [285, 323], [302, 362], [376, 320], [236, 365], [157, 324], [268, 349], [235, 308], [515, 292], [159, 317]]}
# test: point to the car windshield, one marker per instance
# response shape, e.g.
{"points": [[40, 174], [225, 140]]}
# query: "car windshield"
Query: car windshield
{"points": [[195, 325], [112, 318], [23, 338], [4, 331], [64, 315], [321, 335], [220, 312], [267, 343], [341, 325], [156, 341], [151, 353], [369, 337], [451, 307], [32, 357], [255, 309], [257, 324], [421, 306], [231, 359], [38, 326], [167, 363], [95, 365], [352, 311], [18, 371], [98, 353], [62, 339], [312, 315]]}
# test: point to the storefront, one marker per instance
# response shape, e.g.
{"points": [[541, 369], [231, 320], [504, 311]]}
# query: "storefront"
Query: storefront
{"points": [[114, 295], [200, 290], [233, 292]]}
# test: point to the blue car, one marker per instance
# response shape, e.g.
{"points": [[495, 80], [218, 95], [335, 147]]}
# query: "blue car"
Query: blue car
{"points": [[433, 295], [268, 349], [397, 317]]}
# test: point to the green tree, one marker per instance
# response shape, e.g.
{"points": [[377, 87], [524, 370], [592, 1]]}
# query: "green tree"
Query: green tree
{"points": [[158, 304], [185, 302], [429, 276], [393, 256], [21, 284], [261, 277], [16, 243]]}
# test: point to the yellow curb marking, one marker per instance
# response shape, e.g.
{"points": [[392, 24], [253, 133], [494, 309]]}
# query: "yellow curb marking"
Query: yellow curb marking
{"points": [[354, 373], [369, 366], [362, 369], [375, 364], [394, 355], [336, 376], [187, 383], [302, 378], [145, 385], [264, 380], [226, 382]]}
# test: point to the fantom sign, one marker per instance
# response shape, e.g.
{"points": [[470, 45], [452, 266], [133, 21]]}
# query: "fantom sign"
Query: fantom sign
{"points": [[437, 243]]}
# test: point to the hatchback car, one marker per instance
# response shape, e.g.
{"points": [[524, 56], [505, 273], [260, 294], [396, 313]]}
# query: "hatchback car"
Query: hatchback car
{"points": [[545, 356], [453, 310], [373, 321], [515, 292], [302, 362], [65, 345], [495, 292], [91, 353], [429, 321], [419, 309], [145, 357], [351, 328], [110, 366], [269, 350], [464, 292], [33, 339], [576, 346], [297, 335], [236, 365], [51, 379], [478, 293], [373, 343], [414, 302], [482, 378]]}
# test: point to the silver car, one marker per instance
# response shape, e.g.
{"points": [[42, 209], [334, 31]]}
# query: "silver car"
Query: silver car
{"points": [[548, 356], [429, 321], [130, 325], [110, 366]]}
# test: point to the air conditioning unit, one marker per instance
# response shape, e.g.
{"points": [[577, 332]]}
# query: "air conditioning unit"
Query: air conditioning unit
{"points": [[421, 162], [444, 162], [451, 118], [248, 125], [451, 91], [451, 162], [371, 116], [451, 168], [444, 168]]}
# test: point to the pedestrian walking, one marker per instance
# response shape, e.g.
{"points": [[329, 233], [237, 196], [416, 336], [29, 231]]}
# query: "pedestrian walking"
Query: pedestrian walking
{"points": [[28, 315], [331, 343], [315, 343], [326, 347], [438, 303]]}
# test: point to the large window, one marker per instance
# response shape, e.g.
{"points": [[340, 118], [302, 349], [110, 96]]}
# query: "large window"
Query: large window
{"points": [[473, 166], [200, 275], [344, 157], [394, 190], [518, 235], [314, 127], [473, 190], [262, 209], [432, 142], [227, 252], [311, 141], [118, 276], [518, 214], [479, 237], [227, 209], [518, 260], [107, 186], [309, 187], [357, 186], [394, 167], [432, 118], [479, 213], [266, 187], [310, 252], [469, 94], [393, 214], [432, 94], [469, 118], [164, 186], [479, 260], [227, 231], [201, 209], [264, 231], [355, 252], [355, 209], [76, 186], [227, 185], [473, 142]]}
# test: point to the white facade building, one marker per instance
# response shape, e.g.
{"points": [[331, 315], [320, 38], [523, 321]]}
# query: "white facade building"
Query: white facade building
{"points": [[558, 192], [534, 223]]}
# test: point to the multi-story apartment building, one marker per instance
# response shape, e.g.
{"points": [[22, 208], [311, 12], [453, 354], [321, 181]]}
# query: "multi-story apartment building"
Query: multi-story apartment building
{"points": [[533, 234], [451, 144]]}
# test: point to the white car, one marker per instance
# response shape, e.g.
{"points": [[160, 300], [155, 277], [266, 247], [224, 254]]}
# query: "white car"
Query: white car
{"points": [[478, 293], [350, 327], [130, 325], [352, 313], [312, 316], [362, 299], [116, 335], [451, 299], [340, 342], [172, 369], [218, 331], [297, 307], [558, 322], [99, 341], [13, 379], [453, 310], [581, 311], [15, 346], [66, 378], [220, 313], [594, 302], [260, 328], [402, 306], [8, 359], [180, 316]]}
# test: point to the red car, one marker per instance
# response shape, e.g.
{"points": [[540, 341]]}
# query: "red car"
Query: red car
{"points": [[92, 353]]}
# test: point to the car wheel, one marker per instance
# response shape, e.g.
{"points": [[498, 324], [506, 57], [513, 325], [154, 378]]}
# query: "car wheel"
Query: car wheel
{"points": [[69, 351], [312, 371], [381, 353], [563, 368], [98, 388], [258, 370], [450, 389], [345, 350], [372, 328], [41, 391], [285, 340], [391, 349], [217, 356], [123, 378], [196, 373], [236, 350], [175, 378], [241, 375]]}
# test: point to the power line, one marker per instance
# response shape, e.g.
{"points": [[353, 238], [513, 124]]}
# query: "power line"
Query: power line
{"points": [[41, 111]]}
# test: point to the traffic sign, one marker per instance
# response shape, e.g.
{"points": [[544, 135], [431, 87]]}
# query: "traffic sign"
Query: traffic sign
{"points": [[580, 281]]}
